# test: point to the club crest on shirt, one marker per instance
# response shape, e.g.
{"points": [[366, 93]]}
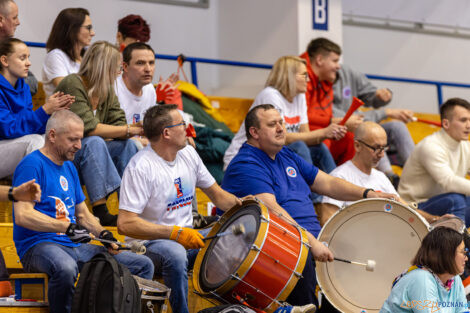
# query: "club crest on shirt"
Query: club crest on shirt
{"points": [[347, 92], [291, 171], [64, 183], [179, 187]]}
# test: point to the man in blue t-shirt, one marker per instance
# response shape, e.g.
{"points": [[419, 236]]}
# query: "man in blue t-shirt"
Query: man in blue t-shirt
{"points": [[46, 233], [283, 181]]}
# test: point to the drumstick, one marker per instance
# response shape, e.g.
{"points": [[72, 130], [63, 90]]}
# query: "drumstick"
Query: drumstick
{"points": [[370, 266], [356, 103], [235, 229], [422, 120], [134, 246]]}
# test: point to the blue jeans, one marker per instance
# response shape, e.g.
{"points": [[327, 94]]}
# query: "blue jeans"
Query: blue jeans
{"points": [[399, 137], [101, 164], [318, 155], [173, 261], [62, 264], [452, 203]]}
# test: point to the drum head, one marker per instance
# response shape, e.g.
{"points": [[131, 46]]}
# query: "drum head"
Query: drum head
{"points": [[374, 229], [225, 254], [454, 223]]}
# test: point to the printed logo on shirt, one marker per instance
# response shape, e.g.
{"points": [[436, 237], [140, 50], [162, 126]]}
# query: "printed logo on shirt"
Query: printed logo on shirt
{"points": [[64, 183], [292, 124], [179, 187], [136, 118], [291, 171], [347, 92], [61, 210]]}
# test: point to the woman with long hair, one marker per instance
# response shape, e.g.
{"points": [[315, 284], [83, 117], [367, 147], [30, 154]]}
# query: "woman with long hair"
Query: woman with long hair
{"points": [[432, 283], [285, 90], [106, 149], [71, 32]]}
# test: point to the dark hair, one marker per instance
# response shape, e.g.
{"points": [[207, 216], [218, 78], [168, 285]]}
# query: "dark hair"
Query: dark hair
{"points": [[134, 26], [7, 47], [252, 120], [127, 52], [322, 46], [447, 108], [156, 119], [64, 32], [437, 251]]}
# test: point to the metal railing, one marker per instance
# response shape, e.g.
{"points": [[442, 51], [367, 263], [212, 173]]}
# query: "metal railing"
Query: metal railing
{"points": [[193, 65]]}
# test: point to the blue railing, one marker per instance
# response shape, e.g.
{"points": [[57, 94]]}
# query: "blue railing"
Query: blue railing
{"points": [[193, 65]]}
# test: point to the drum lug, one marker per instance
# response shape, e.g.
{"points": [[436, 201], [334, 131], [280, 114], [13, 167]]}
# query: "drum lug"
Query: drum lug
{"points": [[256, 248], [299, 275]]}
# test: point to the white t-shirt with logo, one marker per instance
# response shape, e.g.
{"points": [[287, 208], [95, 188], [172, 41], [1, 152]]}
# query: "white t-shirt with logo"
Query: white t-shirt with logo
{"points": [[162, 192], [135, 106], [57, 64], [349, 172], [294, 114]]}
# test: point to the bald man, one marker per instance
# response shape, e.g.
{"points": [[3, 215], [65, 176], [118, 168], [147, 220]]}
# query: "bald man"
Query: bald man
{"points": [[370, 143]]}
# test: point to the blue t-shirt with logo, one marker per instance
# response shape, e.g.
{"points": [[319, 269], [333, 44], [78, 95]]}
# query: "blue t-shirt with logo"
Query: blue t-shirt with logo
{"points": [[288, 177], [60, 193]]}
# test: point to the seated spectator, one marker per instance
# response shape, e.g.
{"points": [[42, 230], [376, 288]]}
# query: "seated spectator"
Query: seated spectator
{"points": [[157, 193], [349, 84], [132, 28], [20, 127], [322, 57], [46, 233], [285, 90], [71, 32], [283, 181], [134, 87], [433, 282], [370, 142], [101, 161], [434, 174], [10, 20]]}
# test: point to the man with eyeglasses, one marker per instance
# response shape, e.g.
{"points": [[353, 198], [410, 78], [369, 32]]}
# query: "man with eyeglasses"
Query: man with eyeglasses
{"points": [[370, 143], [435, 174], [157, 192]]}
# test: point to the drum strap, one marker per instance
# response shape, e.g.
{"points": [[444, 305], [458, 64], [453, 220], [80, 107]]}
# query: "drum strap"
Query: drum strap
{"points": [[447, 285], [395, 281]]}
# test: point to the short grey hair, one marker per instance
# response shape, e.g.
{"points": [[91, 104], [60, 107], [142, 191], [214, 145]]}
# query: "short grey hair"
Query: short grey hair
{"points": [[4, 6], [60, 120]]}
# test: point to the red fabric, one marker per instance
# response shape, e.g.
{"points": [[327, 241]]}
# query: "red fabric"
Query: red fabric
{"points": [[342, 150], [319, 98]]}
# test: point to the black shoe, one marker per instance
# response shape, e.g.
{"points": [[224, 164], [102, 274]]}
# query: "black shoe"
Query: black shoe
{"points": [[395, 180], [200, 221], [106, 218]]}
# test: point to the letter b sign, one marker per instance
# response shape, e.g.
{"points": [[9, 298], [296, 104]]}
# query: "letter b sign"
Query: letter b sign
{"points": [[320, 14]]}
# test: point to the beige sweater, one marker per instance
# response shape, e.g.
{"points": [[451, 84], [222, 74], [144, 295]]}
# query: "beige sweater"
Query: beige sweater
{"points": [[437, 165]]}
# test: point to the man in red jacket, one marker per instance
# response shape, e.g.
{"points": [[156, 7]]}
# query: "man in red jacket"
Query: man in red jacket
{"points": [[322, 58]]}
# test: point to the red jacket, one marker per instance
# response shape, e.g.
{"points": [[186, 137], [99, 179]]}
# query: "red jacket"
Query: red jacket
{"points": [[319, 98]]}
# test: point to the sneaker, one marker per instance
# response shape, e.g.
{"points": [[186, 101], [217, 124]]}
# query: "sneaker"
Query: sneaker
{"points": [[308, 308], [201, 221]]}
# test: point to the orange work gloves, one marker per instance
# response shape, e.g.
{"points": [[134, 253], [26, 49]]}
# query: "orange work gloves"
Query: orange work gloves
{"points": [[187, 237]]}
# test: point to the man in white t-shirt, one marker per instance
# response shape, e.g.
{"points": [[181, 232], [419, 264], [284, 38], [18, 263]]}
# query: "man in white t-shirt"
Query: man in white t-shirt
{"points": [[157, 192], [370, 142]]}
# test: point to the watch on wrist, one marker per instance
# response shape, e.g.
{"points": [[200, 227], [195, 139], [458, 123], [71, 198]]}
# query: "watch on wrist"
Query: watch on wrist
{"points": [[10, 195], [366, 192]]}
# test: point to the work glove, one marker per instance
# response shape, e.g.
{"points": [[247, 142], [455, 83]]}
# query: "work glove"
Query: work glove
{"points": [[77, 234], [187, 237]]}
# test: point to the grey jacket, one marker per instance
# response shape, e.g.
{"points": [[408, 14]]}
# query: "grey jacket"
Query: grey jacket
{"points": [[350, 83]]}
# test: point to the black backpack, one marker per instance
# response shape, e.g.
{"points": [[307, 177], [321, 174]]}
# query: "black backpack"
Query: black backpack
{"points": [[106, 286]]}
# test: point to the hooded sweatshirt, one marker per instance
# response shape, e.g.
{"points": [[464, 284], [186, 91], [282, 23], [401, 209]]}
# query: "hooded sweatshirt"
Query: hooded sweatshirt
{"points": [[17, 117]]}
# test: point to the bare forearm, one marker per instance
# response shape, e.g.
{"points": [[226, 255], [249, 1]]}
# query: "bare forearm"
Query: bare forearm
{"points": [[222, 199], [88, 221], [109, 131], [310, 138], [4, 193], [139, 228], [26, 216]]}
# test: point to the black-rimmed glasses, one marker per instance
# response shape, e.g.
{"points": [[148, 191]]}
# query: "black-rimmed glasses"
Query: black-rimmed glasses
{"points": [[375, 149], [179, 124]]}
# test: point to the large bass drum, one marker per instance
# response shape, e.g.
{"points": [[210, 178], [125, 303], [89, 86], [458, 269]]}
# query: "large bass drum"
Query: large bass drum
{"points": [[260, 266], [384, 231]]}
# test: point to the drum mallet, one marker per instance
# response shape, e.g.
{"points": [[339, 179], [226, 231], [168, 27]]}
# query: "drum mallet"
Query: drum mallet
{"points": [[235, 229], [370, 266], [134, 246]]}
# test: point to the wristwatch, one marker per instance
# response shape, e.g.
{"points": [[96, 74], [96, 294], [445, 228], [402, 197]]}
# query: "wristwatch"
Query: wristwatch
{"points": [[10, 195]]}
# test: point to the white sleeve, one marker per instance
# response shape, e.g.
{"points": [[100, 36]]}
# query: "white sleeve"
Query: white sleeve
{"points": [[303, 110], [204, 178], [135, 191], [332, 201], [55, 65]]}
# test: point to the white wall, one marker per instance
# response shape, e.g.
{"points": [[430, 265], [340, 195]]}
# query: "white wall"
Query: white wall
{"points": [[174, 29], [409, 55]]}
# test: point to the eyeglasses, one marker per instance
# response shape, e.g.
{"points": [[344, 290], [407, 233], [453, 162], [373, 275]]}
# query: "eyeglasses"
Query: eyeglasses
{"points": [[375, 149], [179, 124], [89, 27], [464, 251], [305, 75]]}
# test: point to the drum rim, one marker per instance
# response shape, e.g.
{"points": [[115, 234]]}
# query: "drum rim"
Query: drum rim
{"points": [[320, 265]]}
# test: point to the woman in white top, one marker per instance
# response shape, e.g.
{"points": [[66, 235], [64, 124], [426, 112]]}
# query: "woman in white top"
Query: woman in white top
{"points": [[71, 32], [285, 90]]}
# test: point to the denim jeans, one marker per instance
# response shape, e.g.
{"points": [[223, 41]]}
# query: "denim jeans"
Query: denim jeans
{"points": [[452, 203], [172, 261], [101, 164], [318, 155], [399, 137], [62, 264]]}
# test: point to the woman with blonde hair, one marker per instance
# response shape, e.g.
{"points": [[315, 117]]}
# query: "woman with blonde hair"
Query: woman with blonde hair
{"points": [[285, 90], [106, 148]]}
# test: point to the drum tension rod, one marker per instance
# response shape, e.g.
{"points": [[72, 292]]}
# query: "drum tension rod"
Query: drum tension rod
{"points": [[256, 289]]}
